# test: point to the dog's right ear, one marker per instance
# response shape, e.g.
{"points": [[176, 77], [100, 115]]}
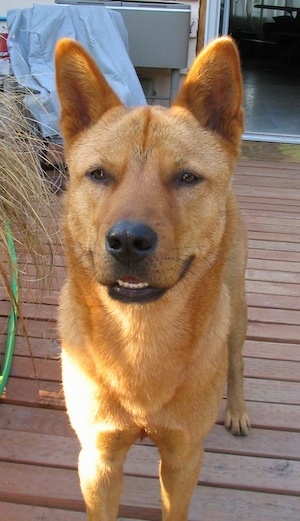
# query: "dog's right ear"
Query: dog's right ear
{"points": [[83, 91]]}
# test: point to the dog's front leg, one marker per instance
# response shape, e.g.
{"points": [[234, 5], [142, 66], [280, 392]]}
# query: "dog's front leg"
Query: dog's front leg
{"points": [[179, 472], [101, 475], [236, 417]]}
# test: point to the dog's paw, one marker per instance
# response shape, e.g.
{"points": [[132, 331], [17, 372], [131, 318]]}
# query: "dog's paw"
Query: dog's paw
{"points": [[237, 423]]}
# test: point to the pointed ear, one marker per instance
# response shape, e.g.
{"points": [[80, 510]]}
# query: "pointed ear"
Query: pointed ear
{"points": [[213, 90], [83, 92]]}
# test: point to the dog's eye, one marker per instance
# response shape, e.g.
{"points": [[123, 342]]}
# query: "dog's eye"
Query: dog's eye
{"points": [[99, 174], [189, 178]]}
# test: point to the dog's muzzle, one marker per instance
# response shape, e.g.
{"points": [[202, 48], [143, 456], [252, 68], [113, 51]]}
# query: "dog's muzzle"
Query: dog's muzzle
{"points": [[129, 243]]}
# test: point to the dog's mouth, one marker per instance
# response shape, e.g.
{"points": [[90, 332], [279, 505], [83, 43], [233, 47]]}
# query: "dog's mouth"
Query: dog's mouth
{"points": [[133, 290]]}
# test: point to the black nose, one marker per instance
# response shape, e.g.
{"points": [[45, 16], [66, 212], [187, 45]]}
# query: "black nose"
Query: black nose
{"points": [[130, 241]]}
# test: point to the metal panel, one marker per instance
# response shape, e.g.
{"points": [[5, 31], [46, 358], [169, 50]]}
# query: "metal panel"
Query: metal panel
{"points": [[158, 33]]}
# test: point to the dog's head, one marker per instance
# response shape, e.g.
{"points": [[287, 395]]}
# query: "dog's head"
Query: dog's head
{"points": [[146, 202]]}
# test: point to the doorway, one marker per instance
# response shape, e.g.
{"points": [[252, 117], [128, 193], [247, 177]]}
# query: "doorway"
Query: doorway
{"points": [[268, 35]]}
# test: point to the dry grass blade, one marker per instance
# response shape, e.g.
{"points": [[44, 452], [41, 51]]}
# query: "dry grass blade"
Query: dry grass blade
{"points": [[27, 200]]}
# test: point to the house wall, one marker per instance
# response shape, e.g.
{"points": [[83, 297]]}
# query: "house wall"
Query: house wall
{"points": [[155, 81]]}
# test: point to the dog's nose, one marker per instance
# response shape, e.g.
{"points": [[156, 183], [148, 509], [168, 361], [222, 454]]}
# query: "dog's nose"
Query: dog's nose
{"points": [[130, 241]]}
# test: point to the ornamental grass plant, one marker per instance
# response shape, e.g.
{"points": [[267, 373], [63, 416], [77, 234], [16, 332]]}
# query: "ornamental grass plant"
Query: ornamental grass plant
{"points": [[28, 202]]}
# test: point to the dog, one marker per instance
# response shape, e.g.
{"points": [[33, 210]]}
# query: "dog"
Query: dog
{"points": [[153, 316]]}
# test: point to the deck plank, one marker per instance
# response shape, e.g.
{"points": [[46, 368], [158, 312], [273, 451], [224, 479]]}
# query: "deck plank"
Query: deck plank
{"points": [[272, 350], [257, 477], [17, 512], [55, 449], [142, 460], [58, 488]]}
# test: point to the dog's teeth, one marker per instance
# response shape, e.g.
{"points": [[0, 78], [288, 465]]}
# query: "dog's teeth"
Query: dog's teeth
{"points": [[130, 285]]}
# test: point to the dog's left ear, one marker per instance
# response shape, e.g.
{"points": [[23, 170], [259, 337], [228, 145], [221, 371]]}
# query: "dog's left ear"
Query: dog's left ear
{"points": [[83, 91], [213, 91]]}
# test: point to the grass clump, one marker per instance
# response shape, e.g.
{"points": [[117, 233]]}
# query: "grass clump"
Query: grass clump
{"points": [[28, 203]]}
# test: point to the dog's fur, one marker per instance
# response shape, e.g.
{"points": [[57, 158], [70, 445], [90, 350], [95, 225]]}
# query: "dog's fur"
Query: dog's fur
{"points": [[150, 204]]}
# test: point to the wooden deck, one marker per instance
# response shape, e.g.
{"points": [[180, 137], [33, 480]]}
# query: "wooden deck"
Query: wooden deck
{"points": [[255, 478]]}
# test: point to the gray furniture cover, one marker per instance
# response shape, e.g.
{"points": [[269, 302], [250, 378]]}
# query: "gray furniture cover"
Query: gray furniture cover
{"points": [[33, 34]]}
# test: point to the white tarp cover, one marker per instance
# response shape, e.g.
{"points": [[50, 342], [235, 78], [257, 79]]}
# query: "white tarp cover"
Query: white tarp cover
{"points": [[33, 34]]}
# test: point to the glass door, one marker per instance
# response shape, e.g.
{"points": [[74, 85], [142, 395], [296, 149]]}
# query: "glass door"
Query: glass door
{"points": [[268, 36]]}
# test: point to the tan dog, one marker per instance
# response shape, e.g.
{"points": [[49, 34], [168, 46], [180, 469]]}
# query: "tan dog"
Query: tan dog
{"points": [[156, 254]]}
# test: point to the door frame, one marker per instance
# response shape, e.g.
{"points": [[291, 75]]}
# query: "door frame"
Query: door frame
{"points": [[209, 21]]}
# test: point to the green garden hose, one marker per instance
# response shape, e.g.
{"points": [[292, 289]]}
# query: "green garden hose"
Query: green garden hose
{"points": [[13, 317]]}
